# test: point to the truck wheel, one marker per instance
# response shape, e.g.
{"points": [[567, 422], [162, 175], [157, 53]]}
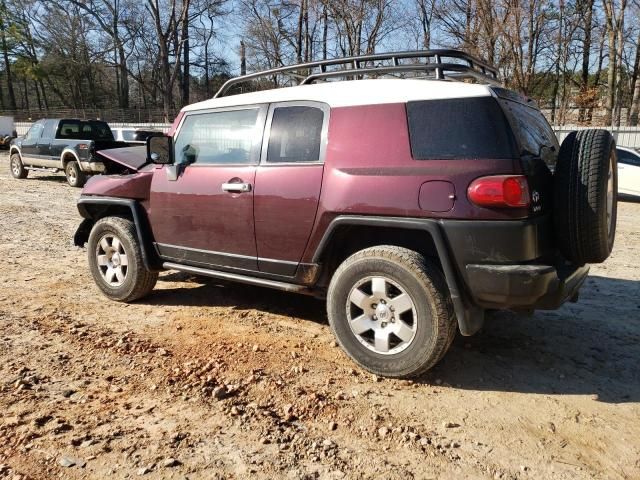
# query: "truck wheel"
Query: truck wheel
{"points": [[390, 311], [17, 168], [585, 196], [115, 260], [75, 176]]}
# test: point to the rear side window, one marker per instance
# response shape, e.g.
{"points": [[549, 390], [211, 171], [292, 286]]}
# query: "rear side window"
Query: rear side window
{"points": [[532, 131], [458, 128], [296, 134]]}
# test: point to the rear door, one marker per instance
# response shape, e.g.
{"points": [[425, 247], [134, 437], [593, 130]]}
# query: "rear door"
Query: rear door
{"points": [[202, 208], [288, 182]]}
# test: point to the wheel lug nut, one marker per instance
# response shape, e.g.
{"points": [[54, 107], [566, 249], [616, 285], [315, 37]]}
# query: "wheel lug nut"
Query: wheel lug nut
{"points": [[373, 305], [384, 324]]}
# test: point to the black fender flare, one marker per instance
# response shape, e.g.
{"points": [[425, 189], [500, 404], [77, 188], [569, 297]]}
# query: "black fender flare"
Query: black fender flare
{"points": [[93, 208], [470, 317]]}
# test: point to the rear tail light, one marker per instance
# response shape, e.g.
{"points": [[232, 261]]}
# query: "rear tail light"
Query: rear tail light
{"points": [[500, 191]]}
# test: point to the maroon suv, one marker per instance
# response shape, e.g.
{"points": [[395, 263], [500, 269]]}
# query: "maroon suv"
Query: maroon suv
{"points": [[412, 205]]}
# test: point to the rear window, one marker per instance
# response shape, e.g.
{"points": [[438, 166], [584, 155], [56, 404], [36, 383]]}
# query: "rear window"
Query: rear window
{"points": [[459, 128], [84, 130], [534, 135]]}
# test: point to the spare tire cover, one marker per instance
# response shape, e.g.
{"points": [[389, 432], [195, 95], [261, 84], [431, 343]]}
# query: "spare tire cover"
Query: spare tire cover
{"points": [[585, 196]]}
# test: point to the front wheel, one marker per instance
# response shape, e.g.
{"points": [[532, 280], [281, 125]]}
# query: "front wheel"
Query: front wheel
{"points": [[115, 260], [390, 311], [75, 176], [17, 168]]}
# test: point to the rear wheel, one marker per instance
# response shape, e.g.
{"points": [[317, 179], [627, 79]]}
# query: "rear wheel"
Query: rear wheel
{"points": [[115, 260], [586, 186], [75, 176], [17, 168], [390, 311]]}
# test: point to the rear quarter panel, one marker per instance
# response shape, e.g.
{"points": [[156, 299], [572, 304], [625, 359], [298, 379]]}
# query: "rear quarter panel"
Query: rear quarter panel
{"points": [[369, 170]]}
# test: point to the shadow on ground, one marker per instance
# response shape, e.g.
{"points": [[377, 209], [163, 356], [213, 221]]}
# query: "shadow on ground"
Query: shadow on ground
{"points": [[588, 348], [45, 178]]}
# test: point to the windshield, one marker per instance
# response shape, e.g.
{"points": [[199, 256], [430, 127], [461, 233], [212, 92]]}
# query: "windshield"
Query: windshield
{"points": [[84, 130]]}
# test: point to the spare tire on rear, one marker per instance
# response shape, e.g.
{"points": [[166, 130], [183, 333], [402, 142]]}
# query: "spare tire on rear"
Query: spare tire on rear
{"points": [[585, 196]]}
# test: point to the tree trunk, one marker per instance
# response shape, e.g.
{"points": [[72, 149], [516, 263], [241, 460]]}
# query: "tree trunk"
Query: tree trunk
{"points": [[596, 78], [632, 118], [619, 58], [35, 84], [299, 32], [559, 60], [325, 30], [44, 94], [243, 58], [124, 77], [586, 54], [185, 57], [26, 94], [7, 66]]}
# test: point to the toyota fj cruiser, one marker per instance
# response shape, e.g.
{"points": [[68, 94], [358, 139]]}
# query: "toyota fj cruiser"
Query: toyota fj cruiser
{"points": [[412, 205]]}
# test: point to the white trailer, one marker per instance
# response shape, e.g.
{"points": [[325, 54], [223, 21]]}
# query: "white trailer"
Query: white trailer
{"points": [[7, 131]]}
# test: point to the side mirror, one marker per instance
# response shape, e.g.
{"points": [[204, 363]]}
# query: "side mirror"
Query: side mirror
{"points": [[160, 150]]}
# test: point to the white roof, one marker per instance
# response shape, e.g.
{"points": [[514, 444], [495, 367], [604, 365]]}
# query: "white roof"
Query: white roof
{"points": [[354, 92]]}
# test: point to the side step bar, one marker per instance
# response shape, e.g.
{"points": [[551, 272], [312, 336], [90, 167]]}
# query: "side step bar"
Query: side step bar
{"points": [[234, 277], [42, 169]]}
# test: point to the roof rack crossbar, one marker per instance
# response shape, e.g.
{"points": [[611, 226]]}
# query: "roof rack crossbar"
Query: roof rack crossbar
{"points": [[474, 68], [455, 71]]}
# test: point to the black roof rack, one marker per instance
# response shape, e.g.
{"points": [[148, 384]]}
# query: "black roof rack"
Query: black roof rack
{"points": [[467, 66]]}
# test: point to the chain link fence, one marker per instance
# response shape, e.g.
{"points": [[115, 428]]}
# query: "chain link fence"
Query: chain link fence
{"points": [[625, 136]]}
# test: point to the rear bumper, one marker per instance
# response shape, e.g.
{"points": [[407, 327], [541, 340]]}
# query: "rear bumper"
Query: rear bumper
{"points": [[512, 263], [542, 287]]}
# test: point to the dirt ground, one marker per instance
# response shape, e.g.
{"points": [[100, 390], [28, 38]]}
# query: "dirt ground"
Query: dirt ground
{"points": [[210, 380]]}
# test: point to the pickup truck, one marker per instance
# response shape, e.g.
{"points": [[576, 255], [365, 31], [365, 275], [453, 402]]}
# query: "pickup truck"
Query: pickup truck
{"points": [[68, 145]]}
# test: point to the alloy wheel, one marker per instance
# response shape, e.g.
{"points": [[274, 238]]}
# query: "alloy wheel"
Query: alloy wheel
{"points": [[381, 315], [112, 260]]}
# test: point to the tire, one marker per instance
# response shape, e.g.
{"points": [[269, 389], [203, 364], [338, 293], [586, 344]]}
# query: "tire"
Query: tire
{"points": [[111, 236], [585, 196], [17, 168], [75, 177], [409, 278]]}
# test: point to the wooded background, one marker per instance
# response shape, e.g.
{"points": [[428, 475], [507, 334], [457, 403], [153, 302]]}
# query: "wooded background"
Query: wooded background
{"points": [[142, 60]]}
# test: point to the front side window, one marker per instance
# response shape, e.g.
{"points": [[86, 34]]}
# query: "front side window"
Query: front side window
{"points": [[296, 135], [35, 131], [219, 138]]}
